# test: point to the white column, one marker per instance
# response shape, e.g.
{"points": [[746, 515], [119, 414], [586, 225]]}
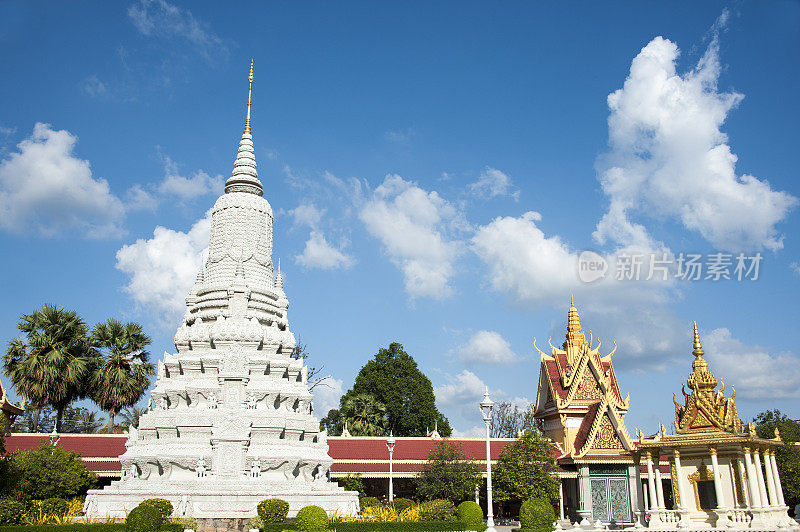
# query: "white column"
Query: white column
{"points": [[560, 500], [752, 480], [659, 483], [584, 494], [637, 493], [651, 484], [717, 481], [745, 495], [777, 477], [773, 493], [762, 487], [489, 509], [677, 481]]}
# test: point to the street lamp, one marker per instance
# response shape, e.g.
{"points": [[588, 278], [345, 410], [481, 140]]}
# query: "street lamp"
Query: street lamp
{"points": [[390, 446], [54, 437], [486, 410]]}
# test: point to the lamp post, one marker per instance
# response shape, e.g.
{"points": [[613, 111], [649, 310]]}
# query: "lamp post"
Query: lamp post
{"points": [[390, 445], [54, 437], [486, 410]]}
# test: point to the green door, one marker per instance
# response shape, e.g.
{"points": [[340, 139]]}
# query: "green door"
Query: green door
{"points": [[610, 495]]}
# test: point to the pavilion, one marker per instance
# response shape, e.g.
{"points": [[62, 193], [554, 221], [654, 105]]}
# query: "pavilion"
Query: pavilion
{"points": [[723, 476]]}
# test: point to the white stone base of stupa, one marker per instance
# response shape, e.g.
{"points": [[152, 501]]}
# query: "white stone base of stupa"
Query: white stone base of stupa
{"points": [[209, 499]]}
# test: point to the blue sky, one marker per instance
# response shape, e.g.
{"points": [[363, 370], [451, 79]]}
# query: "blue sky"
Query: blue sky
{"points": [[435, 170]]}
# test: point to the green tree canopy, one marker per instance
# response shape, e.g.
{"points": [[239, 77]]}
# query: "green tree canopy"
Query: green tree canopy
{"points": [[393, 378], [448, 474], [122, 375], [51, 364], [787, 457], [525, 469], [47, 472], [365, 415]]}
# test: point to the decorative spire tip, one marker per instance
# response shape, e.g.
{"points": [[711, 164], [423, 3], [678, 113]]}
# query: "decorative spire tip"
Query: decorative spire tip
{"points": [[249, 94], [698, 348]]}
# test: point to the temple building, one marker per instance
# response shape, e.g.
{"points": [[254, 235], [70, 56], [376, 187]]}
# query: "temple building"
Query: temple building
{"points": [[231, 423], [724, 476], [8, 409], [583, 414]]}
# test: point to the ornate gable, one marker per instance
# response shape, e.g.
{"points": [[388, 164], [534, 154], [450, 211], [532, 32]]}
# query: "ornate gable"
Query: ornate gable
{"points": [[574, 378]]}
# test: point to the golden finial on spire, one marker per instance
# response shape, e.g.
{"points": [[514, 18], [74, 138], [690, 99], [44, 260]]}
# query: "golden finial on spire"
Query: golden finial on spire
{"points": [[698, 349], [249, 93], [575, 336]]}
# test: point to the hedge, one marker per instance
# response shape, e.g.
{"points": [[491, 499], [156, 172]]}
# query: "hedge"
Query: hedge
{"points": [[80, 527], [422, 526]]}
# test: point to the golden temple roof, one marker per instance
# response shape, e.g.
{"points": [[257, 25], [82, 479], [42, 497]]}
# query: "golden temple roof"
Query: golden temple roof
{"points": [[706, 409]]}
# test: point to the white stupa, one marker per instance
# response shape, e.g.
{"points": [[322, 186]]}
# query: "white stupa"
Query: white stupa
{"points": [[232, 421]]}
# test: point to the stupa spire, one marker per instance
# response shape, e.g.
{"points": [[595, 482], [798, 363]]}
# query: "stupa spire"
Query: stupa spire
{"points": [[245, 177], [249, 94], [698, 348]]}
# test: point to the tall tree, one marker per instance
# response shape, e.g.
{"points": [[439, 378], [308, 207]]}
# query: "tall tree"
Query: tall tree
{"points": [[123, 373], [131, 415], [448, 474], [365, 415], [526, 469], [52, 363], [508, 420], [787, 457], [394, 379], [81, 420]]}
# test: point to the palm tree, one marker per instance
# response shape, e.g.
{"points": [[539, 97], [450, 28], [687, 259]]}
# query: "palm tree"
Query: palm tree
{"points": [[131, 416], [51, 364], [123, 372], [365, 415]]}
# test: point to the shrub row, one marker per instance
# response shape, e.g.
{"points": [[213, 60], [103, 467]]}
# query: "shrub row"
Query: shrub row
{"points": [[422, 526]]}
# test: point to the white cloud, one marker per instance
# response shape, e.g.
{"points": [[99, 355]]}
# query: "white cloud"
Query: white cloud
{"points": [[795, 267], [491, 183], [93, 86], [187, 188], [138, 199], [413, 225], [162, 269], [326, 396], [45, 188], [487, 347], [460, 396], [318, 253], [670, 160], [754, 372], [478, 431], [307, 214], [158, 18], [523, 261], [399, 136], [536, 270]]}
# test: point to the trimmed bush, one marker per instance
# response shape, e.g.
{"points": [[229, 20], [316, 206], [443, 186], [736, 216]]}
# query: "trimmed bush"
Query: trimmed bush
{"points": [[162, 505], [273, 510], [144, 518], [366, 502], [401, 504], [11, 511], [311, 519], [54, 506], [48, 472], [537, 515], [470, 513], [438, 510]]}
